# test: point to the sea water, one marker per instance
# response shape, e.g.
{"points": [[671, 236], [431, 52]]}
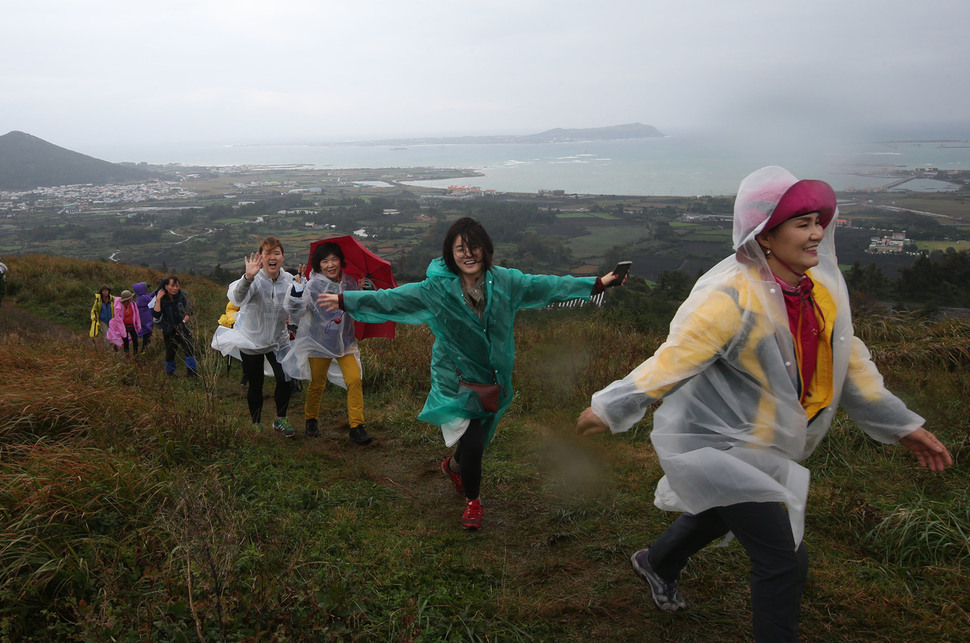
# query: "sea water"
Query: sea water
{"points": [[675, 165]]}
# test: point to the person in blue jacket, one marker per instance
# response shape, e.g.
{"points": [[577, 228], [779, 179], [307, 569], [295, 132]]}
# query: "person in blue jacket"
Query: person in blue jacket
{"points": [[470, 306]]}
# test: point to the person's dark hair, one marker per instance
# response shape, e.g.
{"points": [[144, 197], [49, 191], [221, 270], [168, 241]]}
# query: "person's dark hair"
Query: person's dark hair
{"points": [[323, 251], [171, 279], [473, 237]]}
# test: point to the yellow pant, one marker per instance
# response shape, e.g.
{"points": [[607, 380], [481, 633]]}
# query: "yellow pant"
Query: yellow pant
{"points": [[355, 391]]}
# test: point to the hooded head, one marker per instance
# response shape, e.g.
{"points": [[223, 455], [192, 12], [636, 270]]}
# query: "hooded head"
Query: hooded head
{"points": [[770, 196]]}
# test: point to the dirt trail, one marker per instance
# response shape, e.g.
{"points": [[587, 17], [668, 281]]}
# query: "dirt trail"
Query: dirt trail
{"points": [[17, 320]]}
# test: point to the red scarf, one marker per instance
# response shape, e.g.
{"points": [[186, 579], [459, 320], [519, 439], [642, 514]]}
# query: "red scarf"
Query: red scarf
{"points": [[806, 322]]}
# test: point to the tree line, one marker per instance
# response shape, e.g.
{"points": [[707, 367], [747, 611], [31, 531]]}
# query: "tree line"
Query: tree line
{"points": [[941, 280]]}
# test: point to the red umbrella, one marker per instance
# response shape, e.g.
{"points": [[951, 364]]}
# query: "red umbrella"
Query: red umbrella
{"points": [[366, 267]]}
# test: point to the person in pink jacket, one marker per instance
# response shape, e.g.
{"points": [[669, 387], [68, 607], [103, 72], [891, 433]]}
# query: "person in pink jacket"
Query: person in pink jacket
{"points": [[124, 327]]}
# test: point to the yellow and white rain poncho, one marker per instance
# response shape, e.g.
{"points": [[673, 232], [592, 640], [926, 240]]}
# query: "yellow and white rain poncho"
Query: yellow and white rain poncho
{"points": [[731, 428]]}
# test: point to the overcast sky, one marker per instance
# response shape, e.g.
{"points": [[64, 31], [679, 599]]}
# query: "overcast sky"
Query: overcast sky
{"points": [[292, 70]]}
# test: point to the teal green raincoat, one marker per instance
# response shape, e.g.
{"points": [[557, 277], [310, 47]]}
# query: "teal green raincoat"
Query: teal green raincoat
{"points": [[482, 351]]}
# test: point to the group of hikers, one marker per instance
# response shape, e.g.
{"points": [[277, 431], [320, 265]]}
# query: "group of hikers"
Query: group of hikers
{"points": [[132, 317], [757, 360]]}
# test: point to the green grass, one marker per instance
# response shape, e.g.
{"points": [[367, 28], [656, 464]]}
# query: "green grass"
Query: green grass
{"points": [[953, 204], [134, 506], [960, 245], [605, 239]]}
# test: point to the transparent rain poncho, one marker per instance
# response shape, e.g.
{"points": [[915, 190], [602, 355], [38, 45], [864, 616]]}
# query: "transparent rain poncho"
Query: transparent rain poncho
{"points": [[731, 428], [320, 333], [261, 321]]}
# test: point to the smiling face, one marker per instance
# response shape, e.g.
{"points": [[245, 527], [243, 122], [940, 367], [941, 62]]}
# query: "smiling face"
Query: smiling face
{"points": [[330, 266], [272, 261], [468, 260], [794, 246]]}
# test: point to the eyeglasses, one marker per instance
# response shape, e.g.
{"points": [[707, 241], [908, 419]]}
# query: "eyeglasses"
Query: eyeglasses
{"points": [[467, 252]]}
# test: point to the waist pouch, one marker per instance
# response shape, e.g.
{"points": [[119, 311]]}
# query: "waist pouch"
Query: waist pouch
{"points": [[488, 394]]}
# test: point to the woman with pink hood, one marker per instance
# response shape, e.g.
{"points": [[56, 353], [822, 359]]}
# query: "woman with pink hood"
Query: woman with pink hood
{"points": [[125, 325], [758, 359]]}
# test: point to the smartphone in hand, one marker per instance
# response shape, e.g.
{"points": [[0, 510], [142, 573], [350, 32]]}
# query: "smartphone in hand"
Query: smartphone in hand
{"points": [[622, 270]]}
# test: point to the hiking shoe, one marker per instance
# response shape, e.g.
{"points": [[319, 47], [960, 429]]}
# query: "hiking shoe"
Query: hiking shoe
{"points": [[472, 518], [312, 430], [257, 427], [665, 594], [283, 426], [455, 477], [358, 434]]}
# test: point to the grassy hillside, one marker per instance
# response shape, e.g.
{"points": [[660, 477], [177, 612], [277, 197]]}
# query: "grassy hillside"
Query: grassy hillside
{"points": [[134, 506]]}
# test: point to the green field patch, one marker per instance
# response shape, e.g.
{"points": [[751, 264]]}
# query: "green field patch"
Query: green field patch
{"points": [[597, 244], [605, 216], [960, 245]]}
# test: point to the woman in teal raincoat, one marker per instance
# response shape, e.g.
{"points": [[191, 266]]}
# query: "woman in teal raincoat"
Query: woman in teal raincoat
{"points": [[470, 306]]}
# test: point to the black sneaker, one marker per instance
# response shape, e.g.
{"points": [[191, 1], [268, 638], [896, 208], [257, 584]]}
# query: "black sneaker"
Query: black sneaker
{"points": [[312, 430], [358, 434], [665, 595]]}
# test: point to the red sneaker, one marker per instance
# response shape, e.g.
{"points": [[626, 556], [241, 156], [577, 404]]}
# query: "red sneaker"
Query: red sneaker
{"points": [[455, 477], [472, 519]]}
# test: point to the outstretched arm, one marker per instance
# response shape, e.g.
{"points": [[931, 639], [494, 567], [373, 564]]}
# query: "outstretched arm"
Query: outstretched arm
{"points": [[928, 450], [408, 304], [609, 278]]}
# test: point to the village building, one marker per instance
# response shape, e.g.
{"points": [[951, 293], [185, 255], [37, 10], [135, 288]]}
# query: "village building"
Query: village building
{"points": [[893, 243]]}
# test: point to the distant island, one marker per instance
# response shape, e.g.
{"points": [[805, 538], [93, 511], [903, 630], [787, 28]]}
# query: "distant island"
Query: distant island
{"points": [[557, 135], [28, 162]]}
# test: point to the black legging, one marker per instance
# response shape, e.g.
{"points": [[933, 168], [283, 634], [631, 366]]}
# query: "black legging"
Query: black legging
{"points": [[176, 338], [131, 337], [778, 568], [252, 366], [468, 455]]}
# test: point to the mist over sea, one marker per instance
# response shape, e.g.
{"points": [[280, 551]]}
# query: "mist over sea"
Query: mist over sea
{"points": [[676, 165]]}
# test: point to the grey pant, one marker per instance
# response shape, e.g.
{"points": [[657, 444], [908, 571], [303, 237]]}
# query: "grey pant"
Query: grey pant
{"points": [[778, 569]]}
